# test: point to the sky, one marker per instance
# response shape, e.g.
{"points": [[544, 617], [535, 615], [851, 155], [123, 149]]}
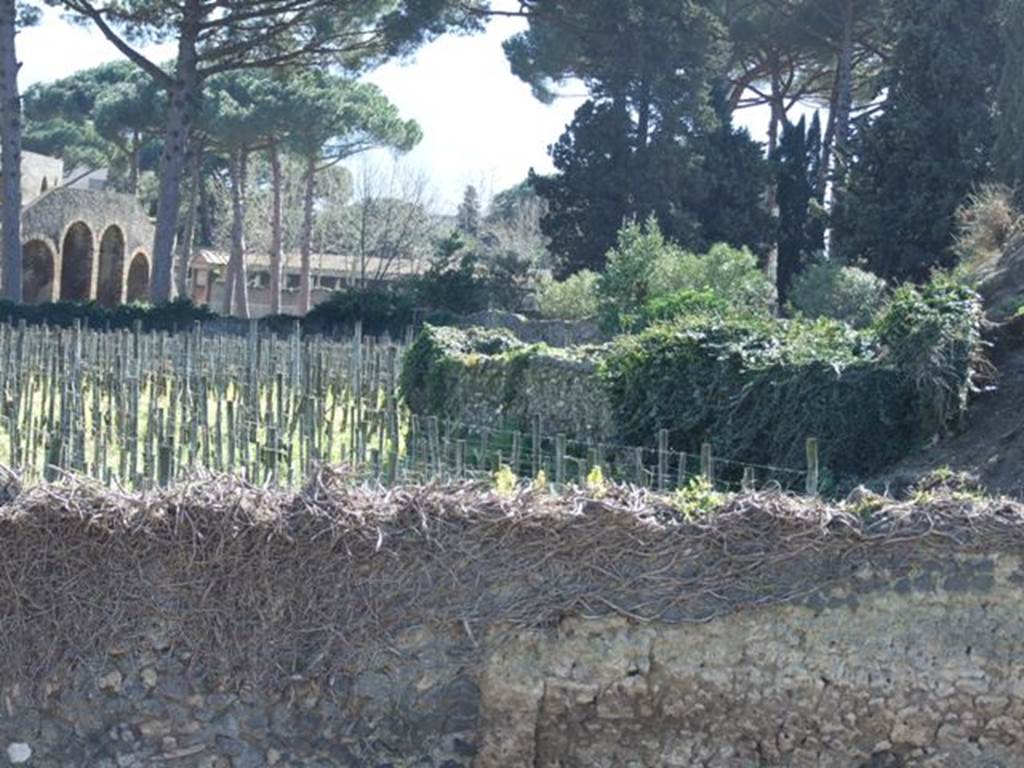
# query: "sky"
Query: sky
{"points": [[481, 124]]}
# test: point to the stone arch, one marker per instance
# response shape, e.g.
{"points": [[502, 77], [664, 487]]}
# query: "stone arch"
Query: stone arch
{"points": [[38, 267], [110, 278], [138, 278], [76, 257]]}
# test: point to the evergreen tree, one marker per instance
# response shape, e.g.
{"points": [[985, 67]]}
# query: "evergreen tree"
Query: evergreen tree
{"points": [[106, 116], [232, 35], [800, 233], [1008, 153], [649, 66], [702, 188], [725, 192], [341, 118], [913, 166], [587, 197], [468, 217]]}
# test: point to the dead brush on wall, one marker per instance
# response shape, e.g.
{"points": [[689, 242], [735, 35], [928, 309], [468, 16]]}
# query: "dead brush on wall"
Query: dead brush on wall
{"points": [[256, 587]]}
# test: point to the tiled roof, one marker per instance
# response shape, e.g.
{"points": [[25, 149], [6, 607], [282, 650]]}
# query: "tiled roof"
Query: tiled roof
{"points": [[322, 263]]}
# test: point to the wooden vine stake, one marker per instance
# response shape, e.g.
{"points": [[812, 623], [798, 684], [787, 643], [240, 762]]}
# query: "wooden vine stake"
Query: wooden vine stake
{"points": [[662, 459], [535, 445], [749, 481], [560, 449], [706, 468], [812, 466]]}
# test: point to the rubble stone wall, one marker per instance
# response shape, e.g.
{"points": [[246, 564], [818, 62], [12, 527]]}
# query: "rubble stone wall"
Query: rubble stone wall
{"points": [[220, 625]]}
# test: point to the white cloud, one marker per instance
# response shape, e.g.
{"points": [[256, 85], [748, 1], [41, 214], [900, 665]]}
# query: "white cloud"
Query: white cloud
{"points": [[56, 48]]}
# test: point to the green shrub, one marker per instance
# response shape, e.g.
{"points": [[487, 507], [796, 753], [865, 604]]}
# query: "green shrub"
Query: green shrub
{"points": [[574, 298], [933, 335], [987, 225], [827, 289], [648, 277], [684, 303], [628, 281], [732, 275], [755, 387], [433, 364], [697, 499], [382, 309], [505, 481]]}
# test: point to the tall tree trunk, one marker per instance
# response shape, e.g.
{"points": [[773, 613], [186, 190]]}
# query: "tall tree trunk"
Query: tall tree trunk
{"points": [[206, 214], [305, 285], [237, 277], [778, 110], [276, 234], [133, 164], [821, 183], [778, 116], [642, 160], [844, 107], [188, 232], [184, 95], [10, 152]]}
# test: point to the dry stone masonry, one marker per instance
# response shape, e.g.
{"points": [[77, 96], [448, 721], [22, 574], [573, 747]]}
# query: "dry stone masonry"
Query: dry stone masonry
{"points": [[527, 631]]}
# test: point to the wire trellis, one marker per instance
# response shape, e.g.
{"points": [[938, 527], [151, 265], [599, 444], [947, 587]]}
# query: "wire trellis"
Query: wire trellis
{"points": [[449, 449]]}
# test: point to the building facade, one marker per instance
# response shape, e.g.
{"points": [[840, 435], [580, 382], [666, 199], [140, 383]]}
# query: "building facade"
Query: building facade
{"points": [[82, 245], [328, 273], [79, 242]]}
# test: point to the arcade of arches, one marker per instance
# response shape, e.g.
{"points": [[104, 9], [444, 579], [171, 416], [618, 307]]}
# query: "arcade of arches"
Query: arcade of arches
{"points": [[80, 273]]}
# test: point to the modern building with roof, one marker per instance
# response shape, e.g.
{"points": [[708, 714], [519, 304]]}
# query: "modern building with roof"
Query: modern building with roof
{"points": [[329, 272]]}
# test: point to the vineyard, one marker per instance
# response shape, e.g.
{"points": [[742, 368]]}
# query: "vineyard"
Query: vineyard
{"points": [[136, 410]]}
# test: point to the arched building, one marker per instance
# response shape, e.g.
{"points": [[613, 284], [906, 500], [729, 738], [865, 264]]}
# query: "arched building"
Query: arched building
{"points": [[82, 245]]}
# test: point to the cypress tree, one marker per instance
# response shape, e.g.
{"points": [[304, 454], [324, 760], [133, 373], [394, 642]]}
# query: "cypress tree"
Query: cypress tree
{"points": [[801, 236], [1008, 153], [914, 165], [468, 218]]}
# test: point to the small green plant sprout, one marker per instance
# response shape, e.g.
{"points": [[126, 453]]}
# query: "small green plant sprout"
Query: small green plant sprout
{"points": [[944, 481], [865, 504], [540, 482], [596, 483], [698, 498], [505, 481]]}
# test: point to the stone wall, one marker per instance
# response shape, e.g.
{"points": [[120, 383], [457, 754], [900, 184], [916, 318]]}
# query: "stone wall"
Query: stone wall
{"points": [[922, 671], [490, 378], [555, 333], [593, 633], [144, 707]]}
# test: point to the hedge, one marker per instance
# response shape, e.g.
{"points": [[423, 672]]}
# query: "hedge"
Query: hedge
{"points": [[175, 315], [484, 377], [381, 311]]}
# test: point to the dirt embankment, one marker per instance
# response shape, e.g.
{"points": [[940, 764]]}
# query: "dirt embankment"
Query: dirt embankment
{"points": [[989, 444]]}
